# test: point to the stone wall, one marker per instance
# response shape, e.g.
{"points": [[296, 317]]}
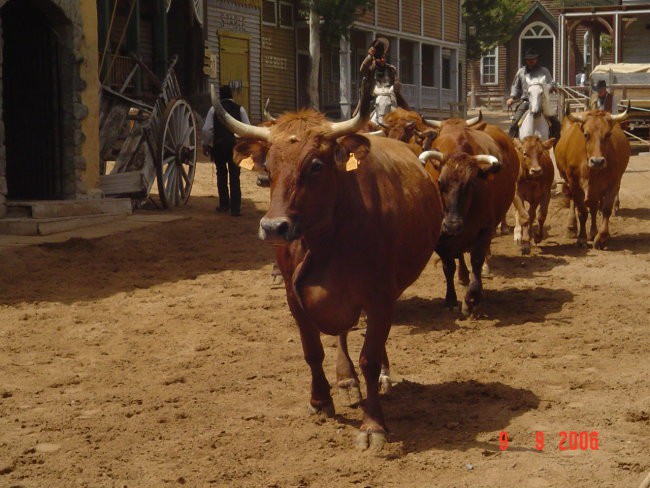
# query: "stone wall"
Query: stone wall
{"points": [[73, 108]]}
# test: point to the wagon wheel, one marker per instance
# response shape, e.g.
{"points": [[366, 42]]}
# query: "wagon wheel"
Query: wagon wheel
{"points": [[176, 154]]}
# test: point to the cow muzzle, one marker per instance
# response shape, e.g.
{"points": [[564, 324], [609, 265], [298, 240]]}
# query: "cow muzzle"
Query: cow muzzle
{"points": [[278, 228], [535, 172], [597, 163], [452, 227]]}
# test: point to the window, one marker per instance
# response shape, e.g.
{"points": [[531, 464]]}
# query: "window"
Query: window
{"points": [[269, 12], [427, 66], [406, 62], [489, 67], [286, 15], [446, 73], [335, 64]]}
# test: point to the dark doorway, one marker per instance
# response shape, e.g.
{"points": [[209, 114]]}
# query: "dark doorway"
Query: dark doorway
{"points": [[185, 39], [544, 46], [32, 102]]}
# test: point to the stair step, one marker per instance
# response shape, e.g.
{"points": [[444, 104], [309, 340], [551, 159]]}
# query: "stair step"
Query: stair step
{"points": [[44, 209], [27, 226]]}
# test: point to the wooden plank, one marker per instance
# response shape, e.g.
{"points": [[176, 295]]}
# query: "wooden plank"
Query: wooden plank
{"points": [[122, 183]]}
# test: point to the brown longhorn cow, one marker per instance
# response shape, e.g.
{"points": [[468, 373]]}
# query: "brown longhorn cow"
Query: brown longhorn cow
{"points": [[592, 155], [353, 219], [534, 184], [478, 169]]}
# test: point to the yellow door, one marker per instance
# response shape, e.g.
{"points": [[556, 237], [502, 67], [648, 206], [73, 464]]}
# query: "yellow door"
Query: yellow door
{"points": [[233, 66]]}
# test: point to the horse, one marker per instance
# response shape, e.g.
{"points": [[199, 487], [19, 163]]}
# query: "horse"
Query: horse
{"points": [[534, 121]]}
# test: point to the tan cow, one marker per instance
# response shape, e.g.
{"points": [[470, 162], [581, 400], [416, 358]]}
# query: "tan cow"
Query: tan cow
{"points": [[533, 186], [592, 155]]}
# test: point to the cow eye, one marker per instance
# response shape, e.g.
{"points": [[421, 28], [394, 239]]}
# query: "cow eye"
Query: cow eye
{"points": [[316, 165], [586, 135]]}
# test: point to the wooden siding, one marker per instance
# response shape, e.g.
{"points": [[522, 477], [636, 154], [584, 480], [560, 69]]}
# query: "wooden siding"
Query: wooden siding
{"points": [[242, 20], [635, 44], [411, 16], [278, 68], [433, 18], [451, 12], [388, 14], [368, 17]]}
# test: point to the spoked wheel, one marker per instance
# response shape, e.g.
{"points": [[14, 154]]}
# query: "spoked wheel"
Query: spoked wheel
{"points": [[176, 154]]}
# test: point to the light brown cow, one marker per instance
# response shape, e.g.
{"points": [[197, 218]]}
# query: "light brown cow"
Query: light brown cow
{"points": [[592, 155], [345, 241], [476, 192], [533, 186]]}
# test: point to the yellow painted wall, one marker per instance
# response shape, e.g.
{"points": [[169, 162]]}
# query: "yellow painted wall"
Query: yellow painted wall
{"points": [[89, 71]]}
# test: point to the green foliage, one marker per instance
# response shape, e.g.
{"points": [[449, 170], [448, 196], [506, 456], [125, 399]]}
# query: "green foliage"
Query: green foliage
{"points": [[490, 22], [338, 15]]}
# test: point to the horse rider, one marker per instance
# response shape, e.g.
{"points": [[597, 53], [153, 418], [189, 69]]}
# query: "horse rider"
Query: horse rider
{"points": [[519, 90], [387, 85]]}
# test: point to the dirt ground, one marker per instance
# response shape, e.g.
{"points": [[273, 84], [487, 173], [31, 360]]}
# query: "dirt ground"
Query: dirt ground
{"points": [[163, 357]]}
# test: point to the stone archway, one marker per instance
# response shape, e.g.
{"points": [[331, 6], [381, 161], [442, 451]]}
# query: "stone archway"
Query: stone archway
{"points": [[40, 135]]}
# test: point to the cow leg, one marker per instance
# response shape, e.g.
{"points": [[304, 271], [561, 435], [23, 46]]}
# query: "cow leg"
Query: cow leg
{"points": [[373, 427], [572, 225], [486, 265], [617, 204], [525, 236], [593, 214], [579, 201], [346, 377], [541, 217], [449, 268], [522, 220], [463, 272], [475, 290], [312, 347], [385, 382], [504, 228], [609, 202]]}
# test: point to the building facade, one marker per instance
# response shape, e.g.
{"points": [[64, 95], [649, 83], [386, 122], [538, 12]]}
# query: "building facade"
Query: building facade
{"points": [[49, 108]]}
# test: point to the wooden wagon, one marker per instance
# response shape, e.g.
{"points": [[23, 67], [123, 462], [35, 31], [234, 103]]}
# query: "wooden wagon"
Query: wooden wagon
{"points": [[148, 142]]}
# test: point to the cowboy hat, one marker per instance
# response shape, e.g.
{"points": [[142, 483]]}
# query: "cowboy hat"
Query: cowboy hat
{"points": [[601, 85], [381, 46], [531, 53]]}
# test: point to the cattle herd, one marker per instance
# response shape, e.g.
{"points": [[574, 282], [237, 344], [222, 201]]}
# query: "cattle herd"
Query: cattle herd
{"points": [[356, 212]]}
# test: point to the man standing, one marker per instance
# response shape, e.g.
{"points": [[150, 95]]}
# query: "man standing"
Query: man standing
{"points": [[604, 99], [519, 90], [218, 143]]}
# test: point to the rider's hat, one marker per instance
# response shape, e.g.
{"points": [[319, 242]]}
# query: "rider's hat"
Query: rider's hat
{"points": [[381, 46], [531, 53], [601, 85]]}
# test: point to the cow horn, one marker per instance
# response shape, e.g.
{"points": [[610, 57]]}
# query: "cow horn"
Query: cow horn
{"points": [[235, 126], [436, 124], [487, 158], [267, 115], [573, 117], [381, 124], [431, 154], [359, 121], [475, 120], [378, 133], [623, 116]]}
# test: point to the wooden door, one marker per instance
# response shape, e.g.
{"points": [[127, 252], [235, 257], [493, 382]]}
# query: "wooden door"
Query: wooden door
{"points": [[233, 66]]}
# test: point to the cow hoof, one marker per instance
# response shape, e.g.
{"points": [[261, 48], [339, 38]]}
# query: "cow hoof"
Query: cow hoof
{"points": [[370, 439], [451, 304], [599, 242], [582, 242], [466, 309], [485, 271], [505, 230], [525, 249], [349, 389], [384, 384], [325, 410], [463, 280], [516, 235]]}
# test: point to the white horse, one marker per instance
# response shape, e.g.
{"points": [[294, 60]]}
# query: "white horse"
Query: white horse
{"points": [[534, 122]]}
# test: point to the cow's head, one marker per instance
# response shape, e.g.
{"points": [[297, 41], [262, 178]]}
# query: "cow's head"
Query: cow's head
{"points": [[460, 175], [530, 151], [305, 153], [596, 126], [471, 122], [402, 124]]}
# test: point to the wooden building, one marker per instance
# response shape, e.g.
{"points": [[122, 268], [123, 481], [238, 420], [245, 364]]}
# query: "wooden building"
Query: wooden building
{"points": [[569, 35], [426, 46]]}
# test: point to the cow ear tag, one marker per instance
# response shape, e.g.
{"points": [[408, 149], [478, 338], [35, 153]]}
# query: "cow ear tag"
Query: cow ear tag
{"points": [[352, 163], [247, 163]]}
